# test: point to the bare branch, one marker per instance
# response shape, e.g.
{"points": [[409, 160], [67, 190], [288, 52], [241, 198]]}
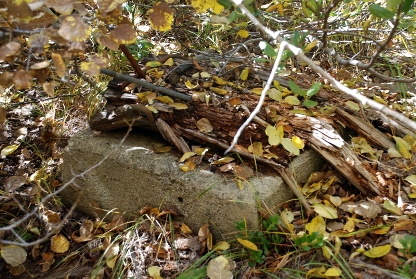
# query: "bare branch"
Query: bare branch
{"points": [[336, 84]]}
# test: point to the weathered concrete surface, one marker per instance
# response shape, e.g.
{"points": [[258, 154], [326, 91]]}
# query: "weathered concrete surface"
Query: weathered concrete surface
{"points": [[136, 176]]}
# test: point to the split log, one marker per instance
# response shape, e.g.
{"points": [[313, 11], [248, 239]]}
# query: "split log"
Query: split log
{"points": [[326, 141], [367, 130]]}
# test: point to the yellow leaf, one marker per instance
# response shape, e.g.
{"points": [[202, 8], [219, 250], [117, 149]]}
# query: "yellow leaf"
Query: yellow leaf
{"points": [[256, 149], [165, 99], [292, 100], [350, 225], [378, 251], [379, 100], [189, 84], [152, 109], [201, 151], [248, 244], [224, 160], [316, 225], [8, 150], [244, 74], [275, 135], [275, 94], [335, 200], [218, 90], [168, 62], [188, 166], [298, 142], [59, 64], [219, 80], [325, 211], [217, 9], [239, 184], [403, 147], [202, 6], [326, 251], [154, 271], [221, 246], [311, 45], [257, 91], [153, 64], [271, 8], [186, 155], [391, 207], [59, 244], [179, 106], [243, 33], [333, 272]]}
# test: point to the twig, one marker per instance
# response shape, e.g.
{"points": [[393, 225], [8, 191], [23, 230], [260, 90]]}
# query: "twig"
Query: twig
{"points": [[261, 100], [147, 85], [336, 84], [35, 210]]}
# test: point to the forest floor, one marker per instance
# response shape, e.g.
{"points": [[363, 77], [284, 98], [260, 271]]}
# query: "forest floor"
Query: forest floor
{"points": [[350, 235]]}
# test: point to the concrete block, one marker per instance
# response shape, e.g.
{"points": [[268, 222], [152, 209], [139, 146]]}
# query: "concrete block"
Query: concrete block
{"points": [[135, 176]]}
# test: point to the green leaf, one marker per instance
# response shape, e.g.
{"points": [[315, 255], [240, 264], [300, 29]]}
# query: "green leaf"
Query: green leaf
{"points": [[267, 49], [226, 3], [275, 94], [310, 103], [378, 11], [314, 89], [391, 207], [407, 5], [296, 89], [289, 146]]}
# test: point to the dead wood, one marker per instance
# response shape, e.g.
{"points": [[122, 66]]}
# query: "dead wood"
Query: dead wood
{"points": [[319, 134], [365, 129], [326, 141]]}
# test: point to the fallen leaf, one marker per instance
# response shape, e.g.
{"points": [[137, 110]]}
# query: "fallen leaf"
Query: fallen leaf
{"points": [[248, 244], [325, 211], [378, 251], [224, 160], [352, 105], [8, 150], [316, 225], [154, 272], [403, 147], [256, 148], [188, 166], [186, 155], [391, 207], [204, 125], [13, 183], [244, 73], [219, 268], [243, 34], [59, 244], [221, 246], [13, 255], [333, 272]]}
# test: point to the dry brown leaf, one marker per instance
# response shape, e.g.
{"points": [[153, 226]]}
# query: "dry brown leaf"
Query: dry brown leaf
{"points": [[204, 125], [73, 28]]}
